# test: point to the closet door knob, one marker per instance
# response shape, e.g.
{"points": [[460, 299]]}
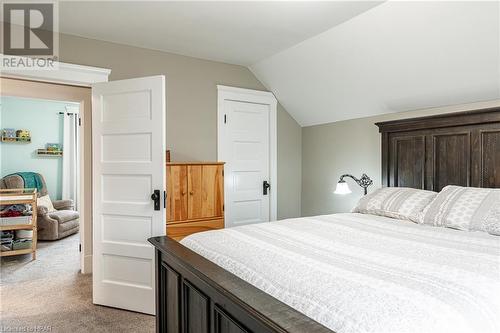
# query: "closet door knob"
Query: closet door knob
{"points": [[191, 192]]}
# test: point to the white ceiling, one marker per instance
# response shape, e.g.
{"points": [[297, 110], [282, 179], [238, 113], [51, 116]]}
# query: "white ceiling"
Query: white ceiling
{"points": [[233, 32], [325, 61], [398, 56]]}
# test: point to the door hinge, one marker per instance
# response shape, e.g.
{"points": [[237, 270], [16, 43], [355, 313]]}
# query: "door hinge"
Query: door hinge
{"points": [[79, 247], [222, 173], [225, 119], [79, 121], [223, 206]]}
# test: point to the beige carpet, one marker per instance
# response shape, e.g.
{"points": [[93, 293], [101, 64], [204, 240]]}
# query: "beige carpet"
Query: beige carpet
{"points": [[51, 292]]}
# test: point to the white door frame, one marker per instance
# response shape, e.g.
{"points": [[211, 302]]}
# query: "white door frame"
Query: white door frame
{"points": [[76, 75], [258, 97], [82, 76]]}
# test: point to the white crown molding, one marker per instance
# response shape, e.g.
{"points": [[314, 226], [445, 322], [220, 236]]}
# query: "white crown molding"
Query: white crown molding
{"points": [[64, 73]]}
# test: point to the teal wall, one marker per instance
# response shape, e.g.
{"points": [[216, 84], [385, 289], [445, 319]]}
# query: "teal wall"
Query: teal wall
{"points": [[42, 119]]}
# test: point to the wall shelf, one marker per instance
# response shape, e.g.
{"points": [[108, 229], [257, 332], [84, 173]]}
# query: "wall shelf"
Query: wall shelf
{"points": [[51, 153], [15, 140]]}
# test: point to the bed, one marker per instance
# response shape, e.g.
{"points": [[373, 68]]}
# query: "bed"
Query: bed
{"points": [[350, 272], [319, 265]]}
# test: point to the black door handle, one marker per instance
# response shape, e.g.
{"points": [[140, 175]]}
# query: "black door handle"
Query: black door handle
{"points": [[156, 199], [265, 186]]}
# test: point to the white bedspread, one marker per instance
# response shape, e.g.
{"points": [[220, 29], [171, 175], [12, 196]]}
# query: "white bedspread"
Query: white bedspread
{"points": [[365, 273]]}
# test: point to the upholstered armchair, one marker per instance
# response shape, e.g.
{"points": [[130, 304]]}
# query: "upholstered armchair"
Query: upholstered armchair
{"points": [[54, 224]]}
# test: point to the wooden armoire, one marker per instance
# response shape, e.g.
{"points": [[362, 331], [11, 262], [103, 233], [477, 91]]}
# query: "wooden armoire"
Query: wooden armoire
{"points": [[195, 197]]}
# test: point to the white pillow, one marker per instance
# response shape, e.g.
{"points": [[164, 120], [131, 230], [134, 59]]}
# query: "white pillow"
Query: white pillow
{"points": [[397, 202], [465, 208], [46, 202]]}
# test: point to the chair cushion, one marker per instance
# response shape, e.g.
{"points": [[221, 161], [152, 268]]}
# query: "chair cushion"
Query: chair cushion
{"points": [[63, 216], [67, 226]]}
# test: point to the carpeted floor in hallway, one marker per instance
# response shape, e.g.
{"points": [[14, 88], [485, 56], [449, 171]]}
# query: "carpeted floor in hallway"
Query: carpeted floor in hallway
{"points": [[51, 294]]}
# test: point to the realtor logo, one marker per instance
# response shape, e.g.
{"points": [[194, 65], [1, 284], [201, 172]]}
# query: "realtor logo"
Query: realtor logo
{"points": [[29, 30]]}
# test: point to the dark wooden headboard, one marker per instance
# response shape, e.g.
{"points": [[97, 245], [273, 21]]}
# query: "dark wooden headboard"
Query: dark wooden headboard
{"points": [[460, 148]]}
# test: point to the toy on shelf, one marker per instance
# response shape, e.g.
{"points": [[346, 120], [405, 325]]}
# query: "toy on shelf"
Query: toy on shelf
{"points": [[23, 135], [8, 135], [54, 147]]}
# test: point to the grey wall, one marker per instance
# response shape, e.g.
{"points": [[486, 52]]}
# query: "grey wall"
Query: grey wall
{"points": [[289, 165], [192, 104], [351, 146]]}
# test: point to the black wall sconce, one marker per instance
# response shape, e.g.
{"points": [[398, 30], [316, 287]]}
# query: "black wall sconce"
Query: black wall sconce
{"points": [[343, 188]]}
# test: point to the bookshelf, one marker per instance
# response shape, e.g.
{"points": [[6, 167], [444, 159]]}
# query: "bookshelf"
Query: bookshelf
{"points": [[21, 197]]}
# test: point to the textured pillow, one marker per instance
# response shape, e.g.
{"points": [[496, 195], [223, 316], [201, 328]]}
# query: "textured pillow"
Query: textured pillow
{"points": [[396, 202], [465, 208], [46, 202]]}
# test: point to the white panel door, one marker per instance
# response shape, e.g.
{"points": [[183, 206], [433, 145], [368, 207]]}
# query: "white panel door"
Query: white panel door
{"points": [[128, 140], [246, 153]]}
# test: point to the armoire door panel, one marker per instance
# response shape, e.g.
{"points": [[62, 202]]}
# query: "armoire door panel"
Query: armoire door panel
{"points": [[195, 193], [490, 158], [212, 191], [177, 198], [451, 159], [407, 161], [206, 195]]}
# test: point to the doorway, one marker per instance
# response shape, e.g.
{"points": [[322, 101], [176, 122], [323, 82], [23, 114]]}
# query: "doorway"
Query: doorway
{"points": [[246, 142], [77, 100]]}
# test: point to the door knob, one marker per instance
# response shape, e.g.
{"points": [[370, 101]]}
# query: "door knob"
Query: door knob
{"points": [[156, 199], [265, 187]]}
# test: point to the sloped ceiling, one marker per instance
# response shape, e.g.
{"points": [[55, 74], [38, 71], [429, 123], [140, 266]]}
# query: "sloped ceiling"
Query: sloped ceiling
{"points": [[235, 32], [397, 56]]}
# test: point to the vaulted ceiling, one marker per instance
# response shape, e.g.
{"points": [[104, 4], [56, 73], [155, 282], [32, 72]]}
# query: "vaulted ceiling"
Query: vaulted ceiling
{"points": [[398, 56], [235, 32], [325, 61]]}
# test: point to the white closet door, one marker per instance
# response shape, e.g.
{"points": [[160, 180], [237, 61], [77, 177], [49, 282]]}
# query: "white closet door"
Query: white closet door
{"points": [[247, 143], [247, 162]]}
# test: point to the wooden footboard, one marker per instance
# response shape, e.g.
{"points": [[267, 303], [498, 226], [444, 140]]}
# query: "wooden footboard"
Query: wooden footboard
{"points": [[195, 295]]}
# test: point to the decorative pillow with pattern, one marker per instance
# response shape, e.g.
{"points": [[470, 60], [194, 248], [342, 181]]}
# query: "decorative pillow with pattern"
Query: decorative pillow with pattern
{"points": [[465, 208], [46, 202], [396, 202]]}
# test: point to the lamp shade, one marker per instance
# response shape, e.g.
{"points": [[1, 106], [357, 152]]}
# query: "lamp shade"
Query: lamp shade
{"points": [[342, 188]]}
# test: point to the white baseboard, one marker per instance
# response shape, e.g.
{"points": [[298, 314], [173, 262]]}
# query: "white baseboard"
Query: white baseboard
{"points": [[86, 266]]}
